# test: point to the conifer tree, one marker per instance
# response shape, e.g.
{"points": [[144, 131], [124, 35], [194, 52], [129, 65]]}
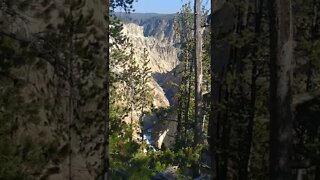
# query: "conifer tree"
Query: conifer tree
{"points": [[183, 29]]}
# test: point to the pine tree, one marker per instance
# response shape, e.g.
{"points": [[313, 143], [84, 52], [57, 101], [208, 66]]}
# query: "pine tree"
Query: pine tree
{"points": [[183, 30]]}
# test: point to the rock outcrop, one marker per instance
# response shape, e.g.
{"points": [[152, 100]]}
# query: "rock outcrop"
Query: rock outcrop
{"points": [[163, 56], [160, 26]]}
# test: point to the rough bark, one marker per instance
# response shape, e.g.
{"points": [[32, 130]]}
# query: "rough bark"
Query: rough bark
{"points": [[225, 139], [222, 21], [179, 121], [187, 105], [281, 54], [311, 68], [106, 83], [71, 96], [212, 125], [198, 73], [244, 173]]}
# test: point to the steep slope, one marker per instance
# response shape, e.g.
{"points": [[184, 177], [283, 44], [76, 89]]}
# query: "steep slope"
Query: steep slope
{"points": [[163, 63], [160, 26], [163, 59], [163, 56]]}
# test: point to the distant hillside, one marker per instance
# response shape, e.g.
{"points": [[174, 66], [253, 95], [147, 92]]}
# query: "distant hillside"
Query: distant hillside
{"points": [[140, 18], [156, 25]]}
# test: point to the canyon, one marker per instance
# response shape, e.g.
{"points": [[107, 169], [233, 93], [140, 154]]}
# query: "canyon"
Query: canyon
{"points": [[156, 35]]}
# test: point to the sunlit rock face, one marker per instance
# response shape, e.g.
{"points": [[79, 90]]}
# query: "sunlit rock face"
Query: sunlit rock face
{"points": [[159, 26], [163, 59], [163, 56]]}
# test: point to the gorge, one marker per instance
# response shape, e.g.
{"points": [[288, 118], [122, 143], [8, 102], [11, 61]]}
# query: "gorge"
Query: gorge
{"points": [[155, 34]]}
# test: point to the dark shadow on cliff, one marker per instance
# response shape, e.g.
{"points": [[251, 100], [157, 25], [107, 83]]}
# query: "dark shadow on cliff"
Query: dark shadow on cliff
{"points": [[169, 82]]}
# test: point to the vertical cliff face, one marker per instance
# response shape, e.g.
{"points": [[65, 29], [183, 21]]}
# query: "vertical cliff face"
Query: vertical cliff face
{"points": [[156, 34], [163, 56], [159, 26], [163, 59]]}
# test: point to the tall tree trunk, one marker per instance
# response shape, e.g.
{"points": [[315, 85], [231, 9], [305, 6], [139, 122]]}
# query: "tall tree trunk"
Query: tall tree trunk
{"points": [[188, 78], [215, 93], [212, 124], [183, 105], [71, 93], [225, 140], [244, 173], [106, 83], [187, 106], [281, 118], [141, 116], [314, 29], [179, 124], [310, 74], [218, 68], [198, 73]]}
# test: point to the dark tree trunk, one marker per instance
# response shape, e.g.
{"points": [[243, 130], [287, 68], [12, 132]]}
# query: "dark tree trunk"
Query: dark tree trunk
{"points": [[71, 93], [310, 74], [179, 123], [106, 83], [187, 105], [244, 173], [142, 114], [212, 131], [218, 66], [225, 141], [281, 55], [314, 30]]}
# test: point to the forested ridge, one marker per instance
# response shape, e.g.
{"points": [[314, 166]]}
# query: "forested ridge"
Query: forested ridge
{"points": [[88, 92]]}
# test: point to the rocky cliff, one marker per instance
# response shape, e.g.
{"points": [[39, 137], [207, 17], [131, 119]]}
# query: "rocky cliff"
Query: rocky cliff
{"points": [[163, 56], [160, 26], [163, 62]]}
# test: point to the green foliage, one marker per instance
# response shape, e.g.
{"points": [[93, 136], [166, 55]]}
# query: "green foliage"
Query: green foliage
{"points": [[131, 75], [126, 155]]}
